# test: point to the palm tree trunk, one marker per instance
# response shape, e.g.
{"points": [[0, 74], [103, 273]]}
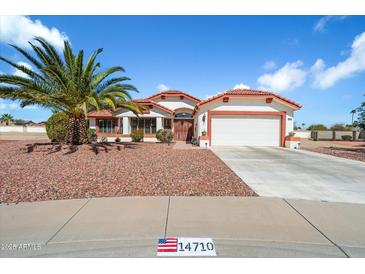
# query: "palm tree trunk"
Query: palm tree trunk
{"points": [[77, 130]]}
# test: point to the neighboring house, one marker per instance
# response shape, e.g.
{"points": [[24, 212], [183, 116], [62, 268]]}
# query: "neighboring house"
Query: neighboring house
{"points": [[40, 124], [236, 117]]}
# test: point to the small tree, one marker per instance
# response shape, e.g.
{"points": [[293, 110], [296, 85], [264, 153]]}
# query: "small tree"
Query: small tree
{"points": [[317, 127], [361, 116], [338, 127], [6, 118]]}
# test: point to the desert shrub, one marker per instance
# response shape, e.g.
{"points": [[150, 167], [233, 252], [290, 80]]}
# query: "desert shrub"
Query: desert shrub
{"points": [[91, 135], [57, 127], [346, 137], [164, 135], [137, 135], [117, 140]]}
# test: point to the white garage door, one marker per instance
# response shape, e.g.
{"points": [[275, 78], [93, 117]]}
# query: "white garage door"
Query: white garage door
{"points": [[246, 130]]}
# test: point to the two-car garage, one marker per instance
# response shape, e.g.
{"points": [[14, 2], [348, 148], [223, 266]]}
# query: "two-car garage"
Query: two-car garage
{"points": [[245, 130], [244, 117]]}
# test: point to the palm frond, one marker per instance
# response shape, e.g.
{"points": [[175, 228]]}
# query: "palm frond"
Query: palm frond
{"points": [[98, 78], [51, 51], [34, 61], [62, 82], [110, 102], [22, 68], [110, 82]]}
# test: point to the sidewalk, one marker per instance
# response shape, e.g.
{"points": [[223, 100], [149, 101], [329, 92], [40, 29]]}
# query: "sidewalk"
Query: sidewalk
{"points": [[130, 227]]}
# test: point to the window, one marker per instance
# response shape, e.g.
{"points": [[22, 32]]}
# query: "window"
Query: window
{"points": [[183, 115], [167, 123], [148, 125], [106, 126], [120, 126]]}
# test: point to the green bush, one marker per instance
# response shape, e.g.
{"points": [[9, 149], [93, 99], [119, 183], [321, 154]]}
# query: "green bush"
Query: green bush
{"points": [[57, 127], [159, 135], [164, 135], [346, 137], [137, 136], [91, 135]]}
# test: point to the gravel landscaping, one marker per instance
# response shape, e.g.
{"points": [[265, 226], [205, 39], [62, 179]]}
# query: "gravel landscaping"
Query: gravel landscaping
{"points": [[113, 170], [348, 153]]}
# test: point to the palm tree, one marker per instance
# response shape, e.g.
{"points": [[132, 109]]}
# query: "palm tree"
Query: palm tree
{"points": [[66, 84], [352, 119], [6, 118]]}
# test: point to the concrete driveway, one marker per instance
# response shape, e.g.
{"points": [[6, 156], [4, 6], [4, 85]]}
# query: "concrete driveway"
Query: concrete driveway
{"points": [[284, 173]]}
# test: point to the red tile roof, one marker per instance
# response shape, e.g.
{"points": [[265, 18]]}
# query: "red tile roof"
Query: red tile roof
{"points": [[108, 113], [248, 93], [174, 93], [100, 113], [150, 102]]}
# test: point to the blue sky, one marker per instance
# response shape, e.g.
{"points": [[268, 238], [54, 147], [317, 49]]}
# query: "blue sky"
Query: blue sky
{"points": [[316, 61]]}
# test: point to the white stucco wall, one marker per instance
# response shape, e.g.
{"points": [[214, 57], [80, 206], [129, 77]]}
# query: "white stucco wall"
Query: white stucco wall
{"points": [[20, 129], [31, 129], [154, 112], [125, 121], [303, 134], [176, 103], [159, 124]]}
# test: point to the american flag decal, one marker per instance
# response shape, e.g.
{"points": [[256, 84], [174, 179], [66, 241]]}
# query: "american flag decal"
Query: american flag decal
{"points": [[167, 245]]}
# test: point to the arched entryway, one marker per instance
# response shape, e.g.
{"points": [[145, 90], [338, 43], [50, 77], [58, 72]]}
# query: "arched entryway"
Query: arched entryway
{"points": [[183, 124]]}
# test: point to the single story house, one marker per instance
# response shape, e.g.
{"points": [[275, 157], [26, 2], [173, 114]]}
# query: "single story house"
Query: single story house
{"points": [[235, 117]]}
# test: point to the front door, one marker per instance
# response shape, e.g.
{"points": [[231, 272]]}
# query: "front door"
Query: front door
{"points": [[183, 129]]}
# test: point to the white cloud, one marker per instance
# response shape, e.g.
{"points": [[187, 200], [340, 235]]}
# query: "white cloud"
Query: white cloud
{"points": [[19, 72], [19, 30], [209, 96], [321, 24], [288, 77], [355, 63], [269, 65], [162, 87], [8, 106], [241, 86]]}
